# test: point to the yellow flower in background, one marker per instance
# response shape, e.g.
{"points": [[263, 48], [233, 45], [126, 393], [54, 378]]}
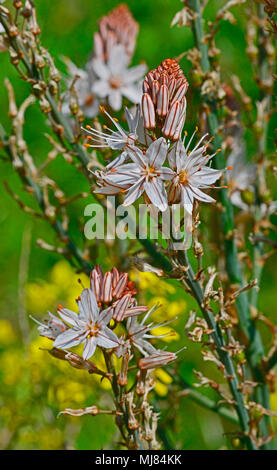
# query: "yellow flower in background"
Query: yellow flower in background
{"points": [[163, 379], [50, 440], [152, 283], [169, 333], [159, 292], [7, 333], [12, 366], [63, 287], [41, 296]]}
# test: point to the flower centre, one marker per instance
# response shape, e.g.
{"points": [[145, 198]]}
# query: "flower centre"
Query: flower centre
{"points": [[93, 330], [183, 177], [115, 82], [151, 172]]}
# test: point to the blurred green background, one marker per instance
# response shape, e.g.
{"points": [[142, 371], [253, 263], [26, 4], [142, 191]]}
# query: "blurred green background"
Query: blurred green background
{"points": [[34, 386]]}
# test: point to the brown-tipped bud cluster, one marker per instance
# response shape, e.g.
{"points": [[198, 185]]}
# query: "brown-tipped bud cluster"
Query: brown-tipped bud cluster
{"points": [[164, 100], [114, 289], [119, 27]]}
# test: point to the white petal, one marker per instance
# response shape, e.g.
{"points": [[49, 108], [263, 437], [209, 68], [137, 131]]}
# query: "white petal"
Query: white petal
{"points": [[101, 88], [200, 195], [134, 73], [134, 192], [157, 152], [107, 338], [89, 348], [166, 173], [105, 316], [132, 93], [156, 192], [89, 306], [100, 69], [68, 339], [115, 99], [187, 199], [137, 156], [68, 316], [118, 60]]}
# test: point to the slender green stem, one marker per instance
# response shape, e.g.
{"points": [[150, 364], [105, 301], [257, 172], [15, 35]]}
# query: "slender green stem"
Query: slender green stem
{"points": [[261, 392]]}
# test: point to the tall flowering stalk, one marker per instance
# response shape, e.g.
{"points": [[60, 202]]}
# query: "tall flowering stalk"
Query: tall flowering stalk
{"points": [[103, 307]]}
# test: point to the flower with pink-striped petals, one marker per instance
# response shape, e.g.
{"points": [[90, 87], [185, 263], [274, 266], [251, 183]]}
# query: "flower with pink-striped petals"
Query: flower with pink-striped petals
{"points": [[163, 101], [139, 333], [115, 80], [52, 327], [145, 175], [115, 139], [88, 101], [106, 76], [191, 174], [88, 327]]}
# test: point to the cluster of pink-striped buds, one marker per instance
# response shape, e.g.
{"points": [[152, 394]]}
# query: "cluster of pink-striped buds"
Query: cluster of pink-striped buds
{"points": [[164, 101], [114, 289], [118, 27]]}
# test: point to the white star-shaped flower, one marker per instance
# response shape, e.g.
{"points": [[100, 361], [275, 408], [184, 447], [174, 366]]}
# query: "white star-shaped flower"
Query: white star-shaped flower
{"points": [[191, 174], [88, 327], [88, 101], [116, 80], [145, 175]]}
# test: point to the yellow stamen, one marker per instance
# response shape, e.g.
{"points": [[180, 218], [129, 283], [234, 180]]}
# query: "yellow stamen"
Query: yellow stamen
{"points": [[183, 177]]}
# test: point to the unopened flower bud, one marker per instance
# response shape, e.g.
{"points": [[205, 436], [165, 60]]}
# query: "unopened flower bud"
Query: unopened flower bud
{"points": [[247, 196], [163, 101], [27, 10], [13, 31], [17, 4], [53, 88], [44, 105], [160, 359], [39, 61], [265, 197]]}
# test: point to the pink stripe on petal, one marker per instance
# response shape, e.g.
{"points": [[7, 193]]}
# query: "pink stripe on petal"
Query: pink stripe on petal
{"points": [[121, 285], [121, 307], [162, 101], [106, 294], [172, 120], [115, 277], [145, 87], [148, 112], [130, 312], [171, 87], [180, 93], [155, 91]]}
